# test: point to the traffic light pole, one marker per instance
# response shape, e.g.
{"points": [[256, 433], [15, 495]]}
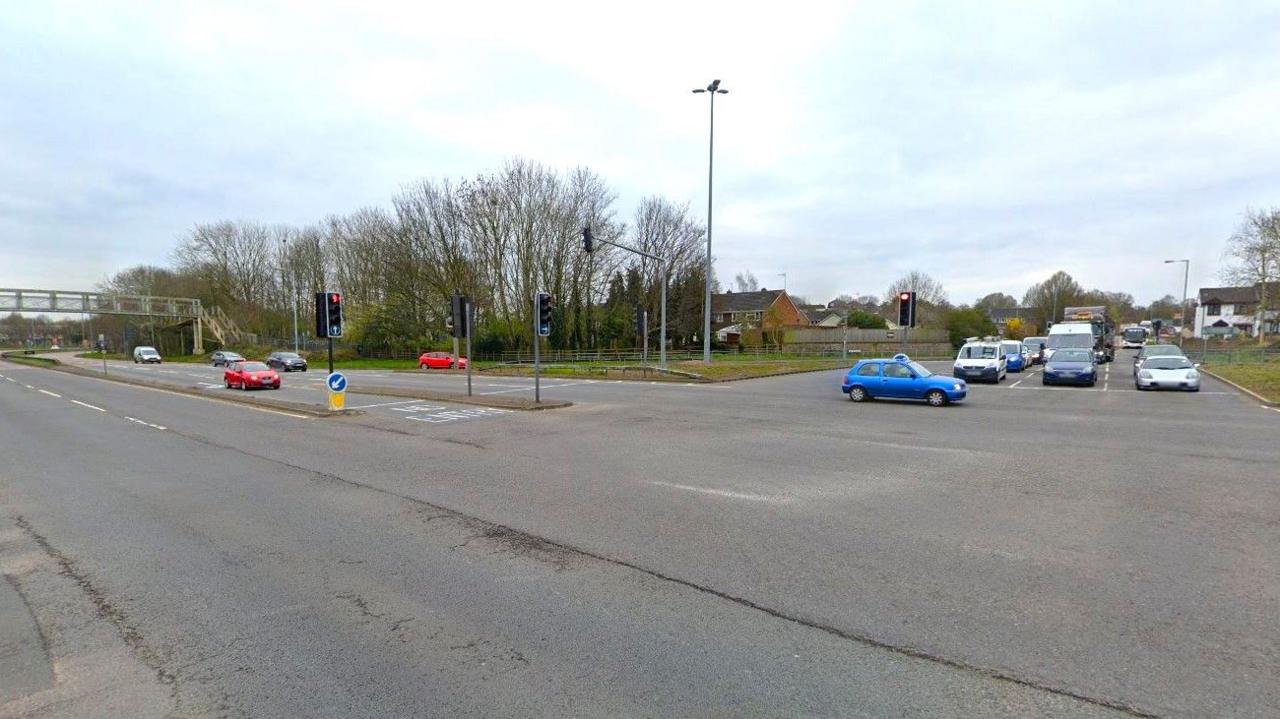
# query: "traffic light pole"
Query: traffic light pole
{"points": [[662, 339], [468, 324], [644, 331], [537, 340], [330, 355]]}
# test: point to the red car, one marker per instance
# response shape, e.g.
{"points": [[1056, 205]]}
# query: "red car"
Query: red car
{"points": [[440, 360], [250, 374]]}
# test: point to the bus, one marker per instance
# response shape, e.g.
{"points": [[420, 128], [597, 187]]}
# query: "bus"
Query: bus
{"points": [[1135, 337]]}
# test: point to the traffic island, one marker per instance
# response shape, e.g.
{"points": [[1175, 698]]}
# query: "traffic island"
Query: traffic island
{"points": [[1260, 380], [516, 403]]}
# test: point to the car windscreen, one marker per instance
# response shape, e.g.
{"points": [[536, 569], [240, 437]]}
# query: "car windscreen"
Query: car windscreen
{"points": [[1159, 350], [919, 369], [232, 356], [1033, 343], [977, 352], [1167, 363], [1072, 355], [288, 356], [254, 367], [1135, 334], [1082, 341]]}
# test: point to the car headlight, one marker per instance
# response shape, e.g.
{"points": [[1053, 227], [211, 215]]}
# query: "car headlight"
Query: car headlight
{"points": [[1144, 374], [1192, 374], [957, 387]]}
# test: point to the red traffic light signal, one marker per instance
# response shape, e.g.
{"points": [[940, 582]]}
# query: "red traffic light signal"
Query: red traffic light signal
{"points": [[905, 296]]}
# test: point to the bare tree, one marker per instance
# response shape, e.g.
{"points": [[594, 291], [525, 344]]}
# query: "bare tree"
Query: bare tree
{"points": [[745, 282], [927, 289], [1253, 254]]}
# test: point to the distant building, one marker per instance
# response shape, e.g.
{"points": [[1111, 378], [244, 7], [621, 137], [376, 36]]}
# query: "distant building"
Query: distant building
{"points": [[1001, 316], [1238, 308], [748, 309]]}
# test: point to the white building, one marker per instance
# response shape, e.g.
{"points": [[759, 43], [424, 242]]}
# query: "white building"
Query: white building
{"points": [[1237, 307]]}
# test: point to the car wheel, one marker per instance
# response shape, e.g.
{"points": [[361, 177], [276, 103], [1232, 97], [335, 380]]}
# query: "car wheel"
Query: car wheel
{"points": [[244, 386], [857, 394], [936, 397], [227, 382]]}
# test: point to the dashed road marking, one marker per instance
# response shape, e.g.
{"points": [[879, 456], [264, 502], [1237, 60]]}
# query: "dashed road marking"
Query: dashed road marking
{"points": [[86, 404], [148, 424], [722, 493], [383, 404], [51, 394]]}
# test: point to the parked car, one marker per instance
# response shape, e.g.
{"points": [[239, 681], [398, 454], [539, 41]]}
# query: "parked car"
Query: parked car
{"points": [[981, 360], [1150, 351], [1035, 348], [1015, 355], [146, 355], [287, 362], [900, 378], [1168, 371], [223, 358], [1071, 365], [246, 375], [440, 360]]}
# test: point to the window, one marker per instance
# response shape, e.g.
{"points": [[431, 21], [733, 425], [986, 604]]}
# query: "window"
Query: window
{"points": [[1241, 309], [897, 371], [1213, 310], [869, 370]]}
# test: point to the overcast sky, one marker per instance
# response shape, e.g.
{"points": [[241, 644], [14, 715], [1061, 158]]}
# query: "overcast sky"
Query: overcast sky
{"points": [[987, 144]]}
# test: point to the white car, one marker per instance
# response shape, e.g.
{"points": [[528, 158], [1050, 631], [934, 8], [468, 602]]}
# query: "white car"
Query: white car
{"points": [[981, 361], [146, 355], [1167, 372]]}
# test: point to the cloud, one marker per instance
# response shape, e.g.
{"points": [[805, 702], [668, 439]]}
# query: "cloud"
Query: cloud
{"points": [[988, 145]]}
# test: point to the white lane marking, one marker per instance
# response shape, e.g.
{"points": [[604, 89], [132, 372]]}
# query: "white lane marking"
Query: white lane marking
{"points": [[148, 424], [526, 389], [211, 399], [723, 493], [51, 394], [28, 386], [10, 379], [85, 404], [384, 404]]}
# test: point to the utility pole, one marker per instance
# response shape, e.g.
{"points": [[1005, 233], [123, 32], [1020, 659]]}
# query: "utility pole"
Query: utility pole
{"points": [[713, 89], [589, 241]]}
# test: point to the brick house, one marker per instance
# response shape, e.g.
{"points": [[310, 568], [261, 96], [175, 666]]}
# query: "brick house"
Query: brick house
{"points": [[749, 309], [1237, 307]]}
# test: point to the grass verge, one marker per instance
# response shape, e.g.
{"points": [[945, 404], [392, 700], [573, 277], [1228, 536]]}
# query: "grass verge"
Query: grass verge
{"points": [[33, 361], [1260, 377]]}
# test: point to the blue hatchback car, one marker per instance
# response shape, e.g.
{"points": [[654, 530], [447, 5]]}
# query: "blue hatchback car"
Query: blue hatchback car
{"points": [[900, 378], [1071, 366]]}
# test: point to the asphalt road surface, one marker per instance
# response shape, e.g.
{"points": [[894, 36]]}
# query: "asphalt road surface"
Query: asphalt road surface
{"points": [[758, 548]]}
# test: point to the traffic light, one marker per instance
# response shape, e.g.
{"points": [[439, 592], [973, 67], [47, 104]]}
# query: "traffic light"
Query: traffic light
{"points": [[639, 321], [335, 314], [545, 304], [906, 309], [328, 314], [588, 240], [457, 319]]}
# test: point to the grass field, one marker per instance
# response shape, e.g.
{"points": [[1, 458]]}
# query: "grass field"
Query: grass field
{"points": [[1261, 377]]}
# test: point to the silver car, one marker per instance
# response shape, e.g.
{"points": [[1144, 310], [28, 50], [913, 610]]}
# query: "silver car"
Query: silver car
{"points": [[1167, 372]]}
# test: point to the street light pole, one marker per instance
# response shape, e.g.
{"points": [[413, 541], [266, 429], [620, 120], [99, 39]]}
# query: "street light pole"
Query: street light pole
{"points": [[1186, 271], [713, 89], [293, 289]]}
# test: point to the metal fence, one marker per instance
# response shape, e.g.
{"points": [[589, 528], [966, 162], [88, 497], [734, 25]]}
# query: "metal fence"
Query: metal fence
{"points": [[1213, 356]]}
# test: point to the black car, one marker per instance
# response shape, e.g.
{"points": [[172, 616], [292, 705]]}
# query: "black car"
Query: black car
{"points": [[1149, 351], [224, 358], [286, 362]]}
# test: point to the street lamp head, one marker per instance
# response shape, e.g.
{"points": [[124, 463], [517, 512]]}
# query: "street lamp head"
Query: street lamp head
{"points": [[715, 85], [698, 91], [722, 92]]}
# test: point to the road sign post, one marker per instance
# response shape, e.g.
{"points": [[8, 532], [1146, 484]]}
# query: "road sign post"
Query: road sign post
{"points": [[337, 384], [644, 332], [537, 339], [102, 348], [470, 325]]}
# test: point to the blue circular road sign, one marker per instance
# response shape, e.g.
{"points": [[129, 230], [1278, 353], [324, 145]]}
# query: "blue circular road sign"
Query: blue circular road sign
{"points": [[337, 382]]}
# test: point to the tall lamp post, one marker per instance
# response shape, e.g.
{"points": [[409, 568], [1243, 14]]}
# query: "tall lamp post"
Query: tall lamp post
{"points": [[284, 251], [1186, 271], [713, 89]]}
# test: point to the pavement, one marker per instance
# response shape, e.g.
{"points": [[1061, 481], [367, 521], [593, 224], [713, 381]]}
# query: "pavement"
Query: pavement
{"points": [[763, 547]]}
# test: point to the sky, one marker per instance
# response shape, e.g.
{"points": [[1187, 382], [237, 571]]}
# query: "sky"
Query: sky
{"points": [[987, 144]]}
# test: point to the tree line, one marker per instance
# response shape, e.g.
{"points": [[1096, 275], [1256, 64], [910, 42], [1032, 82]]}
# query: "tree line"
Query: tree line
{"points": [[498, 238]]}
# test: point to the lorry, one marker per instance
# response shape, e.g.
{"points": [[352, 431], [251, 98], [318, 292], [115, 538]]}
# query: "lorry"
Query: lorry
{"points": [[1095, 316]]}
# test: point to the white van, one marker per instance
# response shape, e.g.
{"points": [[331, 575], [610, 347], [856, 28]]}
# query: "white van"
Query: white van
{"points": [[981, 361], [1076, 335], [146, 355]]}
